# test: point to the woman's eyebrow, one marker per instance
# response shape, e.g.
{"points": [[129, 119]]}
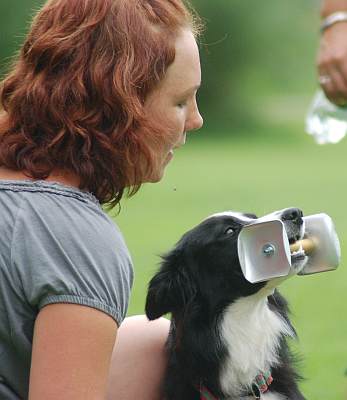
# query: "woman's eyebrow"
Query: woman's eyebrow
{"points": [[191, 90]]}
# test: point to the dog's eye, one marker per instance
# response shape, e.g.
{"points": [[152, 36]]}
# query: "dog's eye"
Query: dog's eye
{"points": [[229, 230]]}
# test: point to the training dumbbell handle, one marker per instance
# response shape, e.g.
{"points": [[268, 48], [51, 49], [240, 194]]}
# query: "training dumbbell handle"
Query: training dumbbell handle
{"points": [[307, 244]]}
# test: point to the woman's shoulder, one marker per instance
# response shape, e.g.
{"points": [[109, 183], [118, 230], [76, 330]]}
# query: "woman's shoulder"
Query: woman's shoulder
{"points": [[66, 249], [50, 201], [51, 211]]}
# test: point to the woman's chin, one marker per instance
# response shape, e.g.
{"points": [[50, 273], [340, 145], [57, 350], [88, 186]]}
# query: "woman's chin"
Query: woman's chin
{"points": [[159, 172], [157, 176]]}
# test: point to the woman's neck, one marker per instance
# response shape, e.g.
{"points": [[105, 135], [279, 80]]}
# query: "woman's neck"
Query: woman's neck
{"points": [[60, 176]]}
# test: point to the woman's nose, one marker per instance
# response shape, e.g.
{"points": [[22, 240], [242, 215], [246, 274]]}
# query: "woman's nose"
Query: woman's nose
{"points": [[195, 121]]}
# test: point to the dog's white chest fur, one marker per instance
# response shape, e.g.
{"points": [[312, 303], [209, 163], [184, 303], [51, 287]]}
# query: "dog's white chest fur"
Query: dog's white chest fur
{"points": [[251, 332]]}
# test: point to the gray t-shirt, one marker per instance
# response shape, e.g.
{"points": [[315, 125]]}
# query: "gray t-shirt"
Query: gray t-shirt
{"points": [[57, 245]]}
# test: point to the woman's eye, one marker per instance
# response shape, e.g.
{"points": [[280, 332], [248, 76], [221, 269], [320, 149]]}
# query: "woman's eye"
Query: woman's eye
{"points": [[181, 104], [229, 230]]}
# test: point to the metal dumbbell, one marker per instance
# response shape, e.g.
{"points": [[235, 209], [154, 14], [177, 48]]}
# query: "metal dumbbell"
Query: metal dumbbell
{"points": [[265, 252]]}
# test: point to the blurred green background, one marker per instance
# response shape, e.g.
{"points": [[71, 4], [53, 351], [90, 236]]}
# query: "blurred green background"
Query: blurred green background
{"points": [[252, 155]]}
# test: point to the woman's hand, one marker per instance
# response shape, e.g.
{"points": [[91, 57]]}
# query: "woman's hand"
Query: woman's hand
{"points": [[332, 63], [71, 355]]}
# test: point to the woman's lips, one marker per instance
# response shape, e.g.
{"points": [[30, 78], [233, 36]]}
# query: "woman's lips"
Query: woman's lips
{"points": [[169, 156]]}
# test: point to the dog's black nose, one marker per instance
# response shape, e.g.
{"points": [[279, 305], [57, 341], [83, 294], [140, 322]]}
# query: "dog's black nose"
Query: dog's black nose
{"points": [[292, 214]]}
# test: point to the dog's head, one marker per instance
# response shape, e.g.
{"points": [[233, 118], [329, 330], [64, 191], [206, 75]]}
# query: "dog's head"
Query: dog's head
{"points": [[205, 265]]}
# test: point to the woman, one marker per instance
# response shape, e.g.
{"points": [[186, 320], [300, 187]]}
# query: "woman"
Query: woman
{"points": [[102, 93]]}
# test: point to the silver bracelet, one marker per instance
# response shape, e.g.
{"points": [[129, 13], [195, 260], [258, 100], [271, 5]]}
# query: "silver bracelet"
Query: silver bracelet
{"points": [[339, 16]]}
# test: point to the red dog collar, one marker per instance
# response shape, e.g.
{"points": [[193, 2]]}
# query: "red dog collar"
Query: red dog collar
{"points": [[259, 385]]}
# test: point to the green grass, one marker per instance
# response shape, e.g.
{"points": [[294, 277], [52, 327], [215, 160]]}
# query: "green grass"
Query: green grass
{"points": [[258, 174]]}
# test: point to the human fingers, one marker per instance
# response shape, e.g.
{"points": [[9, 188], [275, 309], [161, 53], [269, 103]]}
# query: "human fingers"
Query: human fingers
{"points": [[328, 85], [332, 63], [334, 86], [342, 70]]}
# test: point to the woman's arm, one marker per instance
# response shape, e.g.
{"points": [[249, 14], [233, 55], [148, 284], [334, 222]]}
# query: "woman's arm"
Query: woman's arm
{"points": [[71, 355], [332, 54]]}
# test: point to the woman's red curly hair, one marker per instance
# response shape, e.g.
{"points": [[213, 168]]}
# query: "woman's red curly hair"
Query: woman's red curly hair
{"points": [[74, 99]]}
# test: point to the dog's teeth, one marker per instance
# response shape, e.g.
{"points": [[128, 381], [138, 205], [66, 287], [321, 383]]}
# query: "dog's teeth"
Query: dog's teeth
{"points": [[299, 251]]}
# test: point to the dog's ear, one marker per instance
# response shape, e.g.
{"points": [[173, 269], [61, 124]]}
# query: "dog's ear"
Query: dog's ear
{"points": [[250, 215], [170, 289]]}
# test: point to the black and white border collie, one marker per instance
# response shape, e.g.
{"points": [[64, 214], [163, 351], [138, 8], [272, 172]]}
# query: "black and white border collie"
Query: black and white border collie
{"points": [[228, 337]]}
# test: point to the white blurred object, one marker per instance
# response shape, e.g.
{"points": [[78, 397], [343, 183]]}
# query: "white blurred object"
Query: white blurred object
{"points": [[325, 121]]}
